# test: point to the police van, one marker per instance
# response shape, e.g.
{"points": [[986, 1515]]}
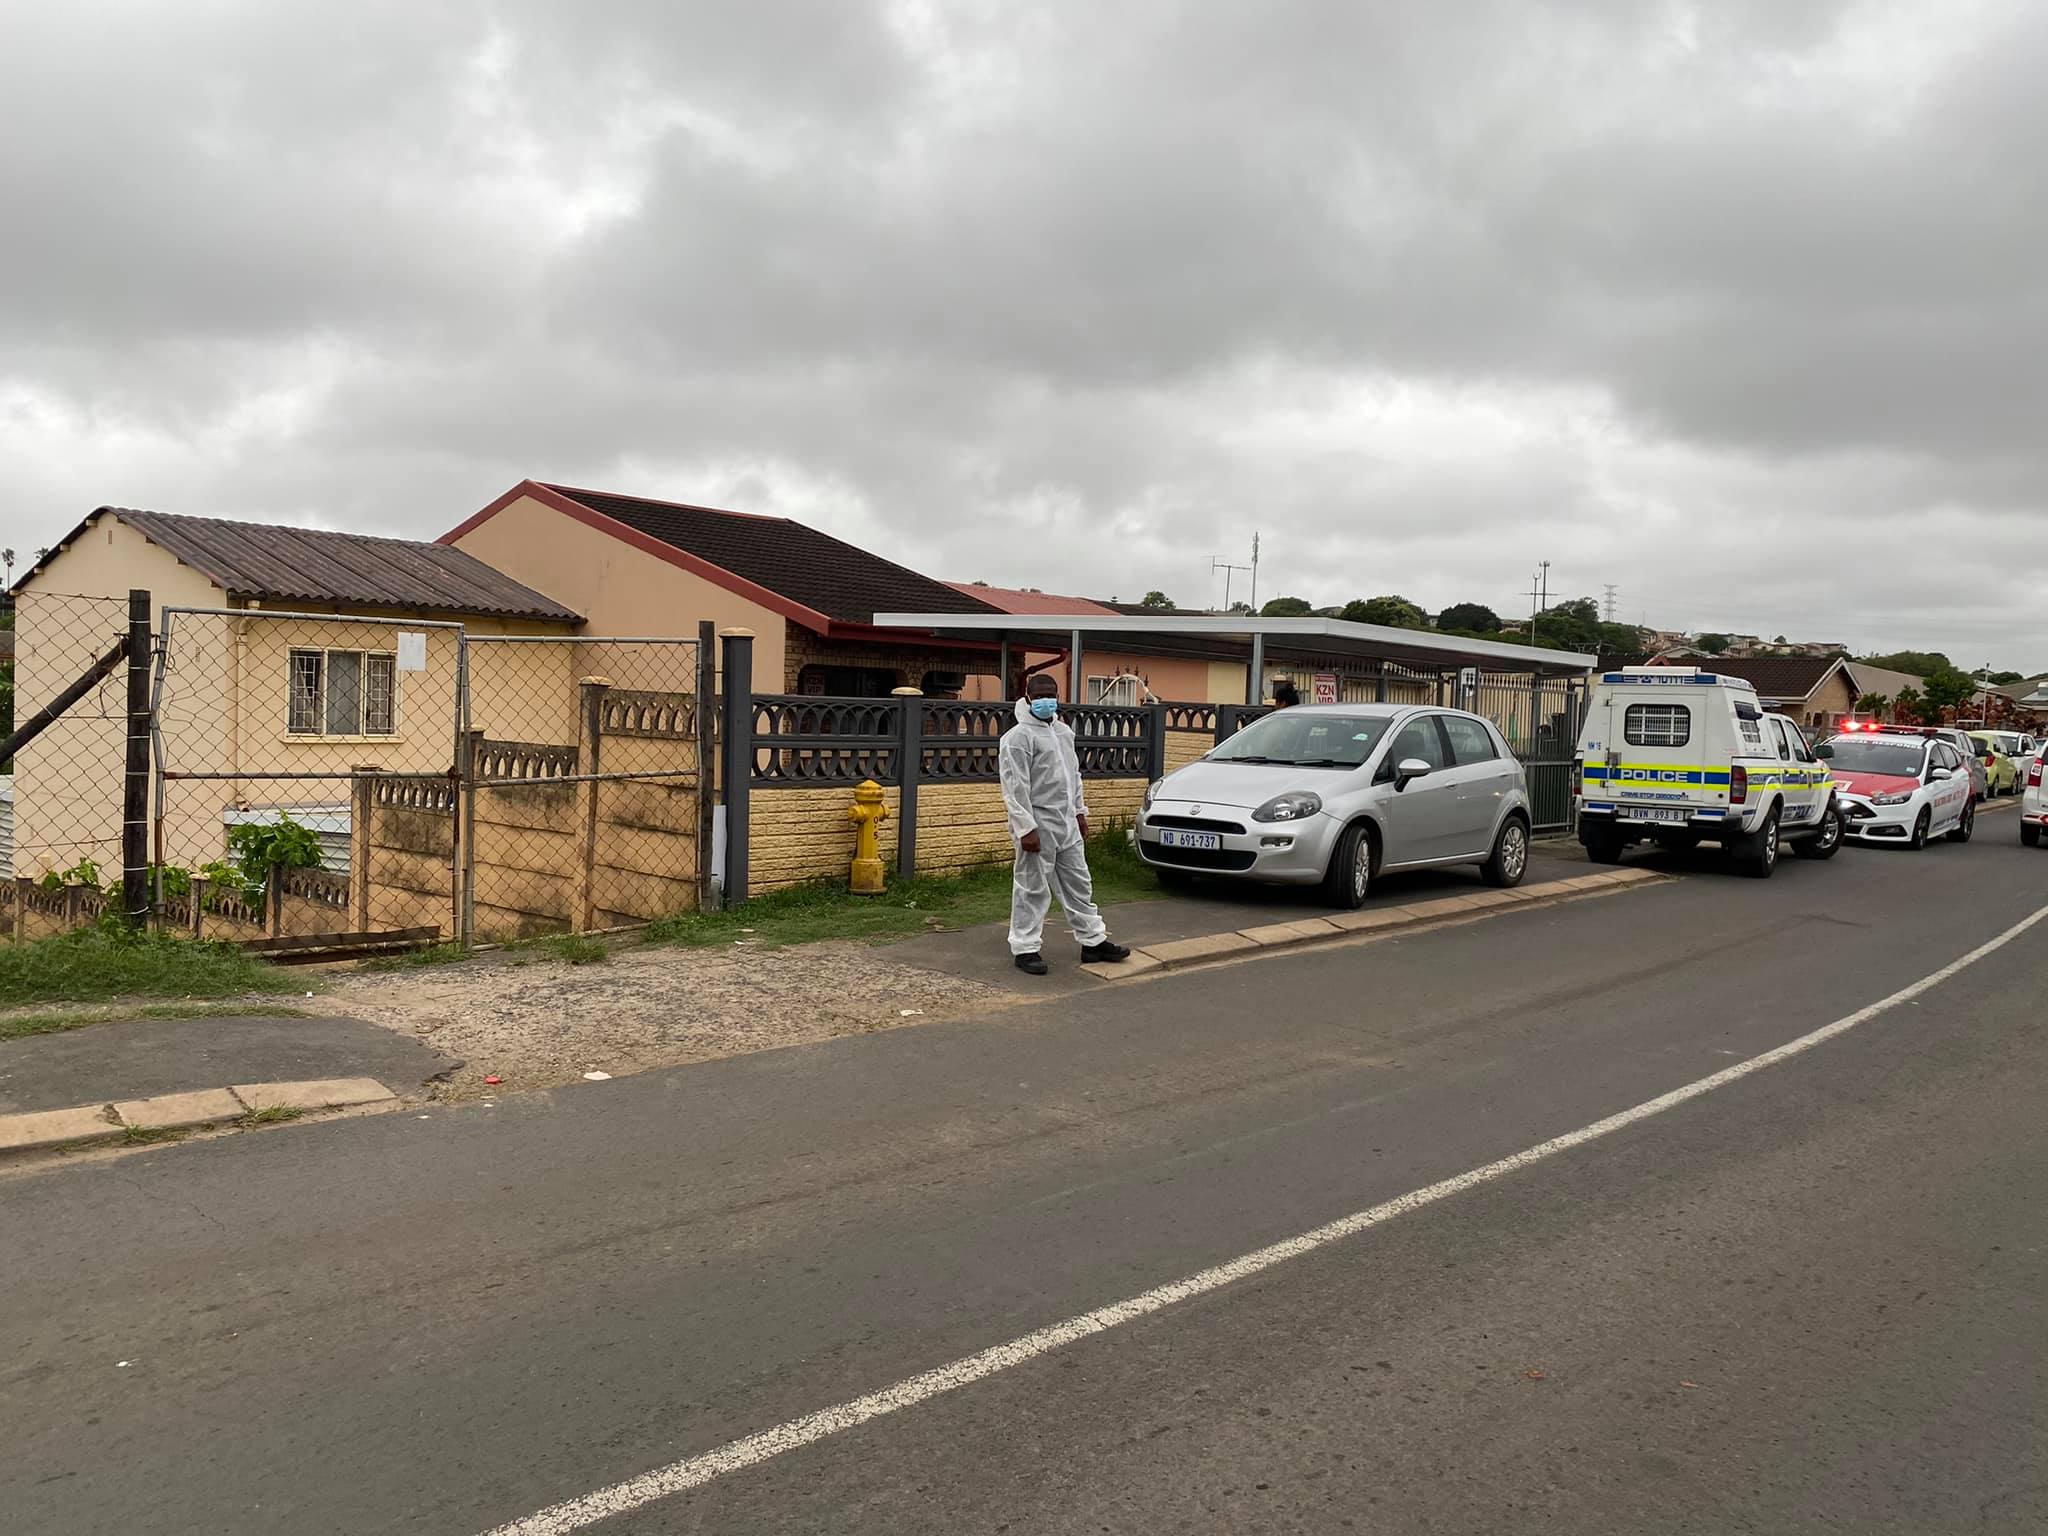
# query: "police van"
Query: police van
{"points": [[1678, 758]]}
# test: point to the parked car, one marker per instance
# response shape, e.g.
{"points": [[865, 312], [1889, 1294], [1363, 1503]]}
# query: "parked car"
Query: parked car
{"points": [[2001, 773], [1901, 786], [1971, 753], [1680, 758], [1341, 794], [2033, 805]]}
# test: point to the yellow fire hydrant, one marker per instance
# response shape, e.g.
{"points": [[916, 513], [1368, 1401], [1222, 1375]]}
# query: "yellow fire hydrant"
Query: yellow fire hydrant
{"points": [[866, 813]]}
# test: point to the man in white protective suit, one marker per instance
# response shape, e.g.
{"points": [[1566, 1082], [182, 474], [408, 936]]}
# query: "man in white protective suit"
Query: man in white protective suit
{"points": [[1049, 820]]}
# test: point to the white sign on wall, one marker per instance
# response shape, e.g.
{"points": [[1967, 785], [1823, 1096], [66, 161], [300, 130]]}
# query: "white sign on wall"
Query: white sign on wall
{"points": [[412, 651]]}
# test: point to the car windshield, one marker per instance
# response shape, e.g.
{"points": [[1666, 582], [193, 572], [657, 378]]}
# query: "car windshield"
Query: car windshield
{"points": [[1304, 740], [1874, 754]]}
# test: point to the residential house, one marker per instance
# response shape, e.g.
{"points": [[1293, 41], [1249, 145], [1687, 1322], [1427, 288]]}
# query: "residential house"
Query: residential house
{"points": [[1883, 682], [292, 656], [633, 565], [1817, 691], [1108, 676]]}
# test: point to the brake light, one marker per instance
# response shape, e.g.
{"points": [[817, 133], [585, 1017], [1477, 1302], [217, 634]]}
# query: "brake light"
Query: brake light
{"points": [[1738, 785], [2034, 774]]}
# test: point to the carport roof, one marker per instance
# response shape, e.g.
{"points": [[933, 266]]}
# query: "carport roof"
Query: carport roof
{"points": [[1230, 637]]}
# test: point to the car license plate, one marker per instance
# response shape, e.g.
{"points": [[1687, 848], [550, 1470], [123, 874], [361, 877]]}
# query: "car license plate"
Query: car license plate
{"points": [[1171, 839], [1656, 813]]}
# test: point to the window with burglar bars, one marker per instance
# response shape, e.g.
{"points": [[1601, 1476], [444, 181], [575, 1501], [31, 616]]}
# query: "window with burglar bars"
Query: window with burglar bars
{"points": [[1657, 725], [343, 693], [1112, 690]]}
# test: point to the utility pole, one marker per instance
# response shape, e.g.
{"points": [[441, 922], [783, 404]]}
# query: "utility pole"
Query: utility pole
{"points": [[1255, 572], [1539, 598]]}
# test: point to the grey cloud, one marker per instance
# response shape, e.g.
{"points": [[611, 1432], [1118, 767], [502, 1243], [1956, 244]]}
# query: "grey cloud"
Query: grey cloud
{"points": [[1423, 292]]}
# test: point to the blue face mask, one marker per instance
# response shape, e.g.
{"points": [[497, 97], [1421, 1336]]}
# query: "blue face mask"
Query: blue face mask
{"points": [[1045, 709]]}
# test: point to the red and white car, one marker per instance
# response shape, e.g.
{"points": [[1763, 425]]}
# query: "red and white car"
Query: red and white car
{"points": [[1901, 784]]}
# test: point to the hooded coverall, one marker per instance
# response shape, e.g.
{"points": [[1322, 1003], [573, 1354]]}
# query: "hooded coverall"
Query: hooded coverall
{"points": [[1042, 792]]}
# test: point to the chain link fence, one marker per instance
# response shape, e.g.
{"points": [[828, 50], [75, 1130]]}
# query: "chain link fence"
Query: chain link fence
{"points": [[64, 788], [584, 782]]}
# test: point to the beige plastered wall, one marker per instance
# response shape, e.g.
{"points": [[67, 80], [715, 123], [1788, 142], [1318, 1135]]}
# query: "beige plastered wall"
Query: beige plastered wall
{"points": [[620, 590]]}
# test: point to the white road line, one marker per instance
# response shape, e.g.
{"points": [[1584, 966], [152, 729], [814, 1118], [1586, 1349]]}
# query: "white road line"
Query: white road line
{"points": [[695, 1471]]}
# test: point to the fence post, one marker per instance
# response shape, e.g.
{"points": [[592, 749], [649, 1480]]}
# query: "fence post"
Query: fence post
{"points": [[135, 900], [362, 811], [22, 886], [468, 745], [589, 762], [909, 768], [198, 912], [707, 756], [273, 900], [1155, 745], [737, 724]]}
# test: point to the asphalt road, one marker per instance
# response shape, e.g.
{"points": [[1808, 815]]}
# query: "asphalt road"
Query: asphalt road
{"points": [[1809, 1299]]}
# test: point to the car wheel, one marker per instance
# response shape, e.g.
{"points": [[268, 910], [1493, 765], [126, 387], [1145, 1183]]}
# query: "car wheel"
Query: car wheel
{"points": [[2030, 835], [1349, 877], [1510, 859], [1760, 858], [1919, 838], [1827, 842], [1603, 845], [1960, 833]]}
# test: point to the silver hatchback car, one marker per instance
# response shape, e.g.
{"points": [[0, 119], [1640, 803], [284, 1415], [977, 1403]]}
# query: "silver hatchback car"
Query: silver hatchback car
{"points": [[1342, 793]]}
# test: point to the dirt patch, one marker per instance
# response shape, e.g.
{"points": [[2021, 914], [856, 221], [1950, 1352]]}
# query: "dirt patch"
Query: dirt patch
{"points": [[535, 1023]]}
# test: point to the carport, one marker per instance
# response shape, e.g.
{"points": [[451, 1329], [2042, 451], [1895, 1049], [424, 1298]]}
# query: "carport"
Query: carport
{"points": [[1536, 696]]}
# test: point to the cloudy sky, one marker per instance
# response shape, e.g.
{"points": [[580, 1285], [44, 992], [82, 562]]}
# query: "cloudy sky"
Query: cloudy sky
{"points": [[1740, 305]]}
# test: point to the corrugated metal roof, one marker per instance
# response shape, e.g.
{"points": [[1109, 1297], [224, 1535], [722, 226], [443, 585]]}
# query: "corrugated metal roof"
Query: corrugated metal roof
{"points": [[1027, 599], [276, 564]]}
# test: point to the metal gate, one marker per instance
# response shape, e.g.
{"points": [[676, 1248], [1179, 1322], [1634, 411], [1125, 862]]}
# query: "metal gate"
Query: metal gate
{"points": [[1540, 717]]}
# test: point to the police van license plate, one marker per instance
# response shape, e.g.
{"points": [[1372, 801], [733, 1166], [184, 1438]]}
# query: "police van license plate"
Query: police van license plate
{"points": [[1171, 839], [1656, 813]]}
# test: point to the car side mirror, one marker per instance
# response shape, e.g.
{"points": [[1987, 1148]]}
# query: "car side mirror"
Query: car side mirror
{"points": [[1410, 768], [1824, 750], [1936, 775]]}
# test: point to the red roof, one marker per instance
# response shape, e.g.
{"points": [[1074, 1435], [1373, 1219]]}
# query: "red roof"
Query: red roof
{"points": [[1028, 599]]}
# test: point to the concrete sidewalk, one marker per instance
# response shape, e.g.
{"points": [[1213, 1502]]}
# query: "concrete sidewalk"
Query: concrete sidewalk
{"points": [[145, 1058], [1210, 909]]}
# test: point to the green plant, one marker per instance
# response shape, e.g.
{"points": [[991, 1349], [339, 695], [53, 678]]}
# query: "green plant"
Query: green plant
{"points": [[575, 948], [271, 1114], [84, 872], [257, 848], [91, 964]]}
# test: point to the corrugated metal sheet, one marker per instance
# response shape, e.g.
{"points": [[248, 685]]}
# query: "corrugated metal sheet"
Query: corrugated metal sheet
{"points": [[275, 564]]}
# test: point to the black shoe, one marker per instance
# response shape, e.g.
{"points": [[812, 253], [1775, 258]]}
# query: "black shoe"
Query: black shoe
{"points": [[1035, 964], [1105, 951]]}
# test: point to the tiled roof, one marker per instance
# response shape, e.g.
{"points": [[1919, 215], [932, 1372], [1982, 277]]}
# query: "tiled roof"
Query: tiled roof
{"points": [[826, 575], [276, 564], [1775, 677], [1027, 599]]}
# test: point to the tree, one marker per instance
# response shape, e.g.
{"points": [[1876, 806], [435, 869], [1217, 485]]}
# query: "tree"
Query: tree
{"points": [[1946, 688], [1919, 663], [1158, 600], [1391, 610], [1240, 606], [1469, 618], [1908, 706], [1872, 704], [2005, 679], [1713, 645], [1285, 608]]}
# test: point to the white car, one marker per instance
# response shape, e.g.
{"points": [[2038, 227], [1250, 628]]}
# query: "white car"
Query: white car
{"points": [[2033, 804], [1902, 786]]}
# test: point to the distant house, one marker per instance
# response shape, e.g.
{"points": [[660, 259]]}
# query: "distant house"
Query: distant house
{"points": [[274, 710], [1108, 676], [637, 566], [1816, 691], [1883, 682]]}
